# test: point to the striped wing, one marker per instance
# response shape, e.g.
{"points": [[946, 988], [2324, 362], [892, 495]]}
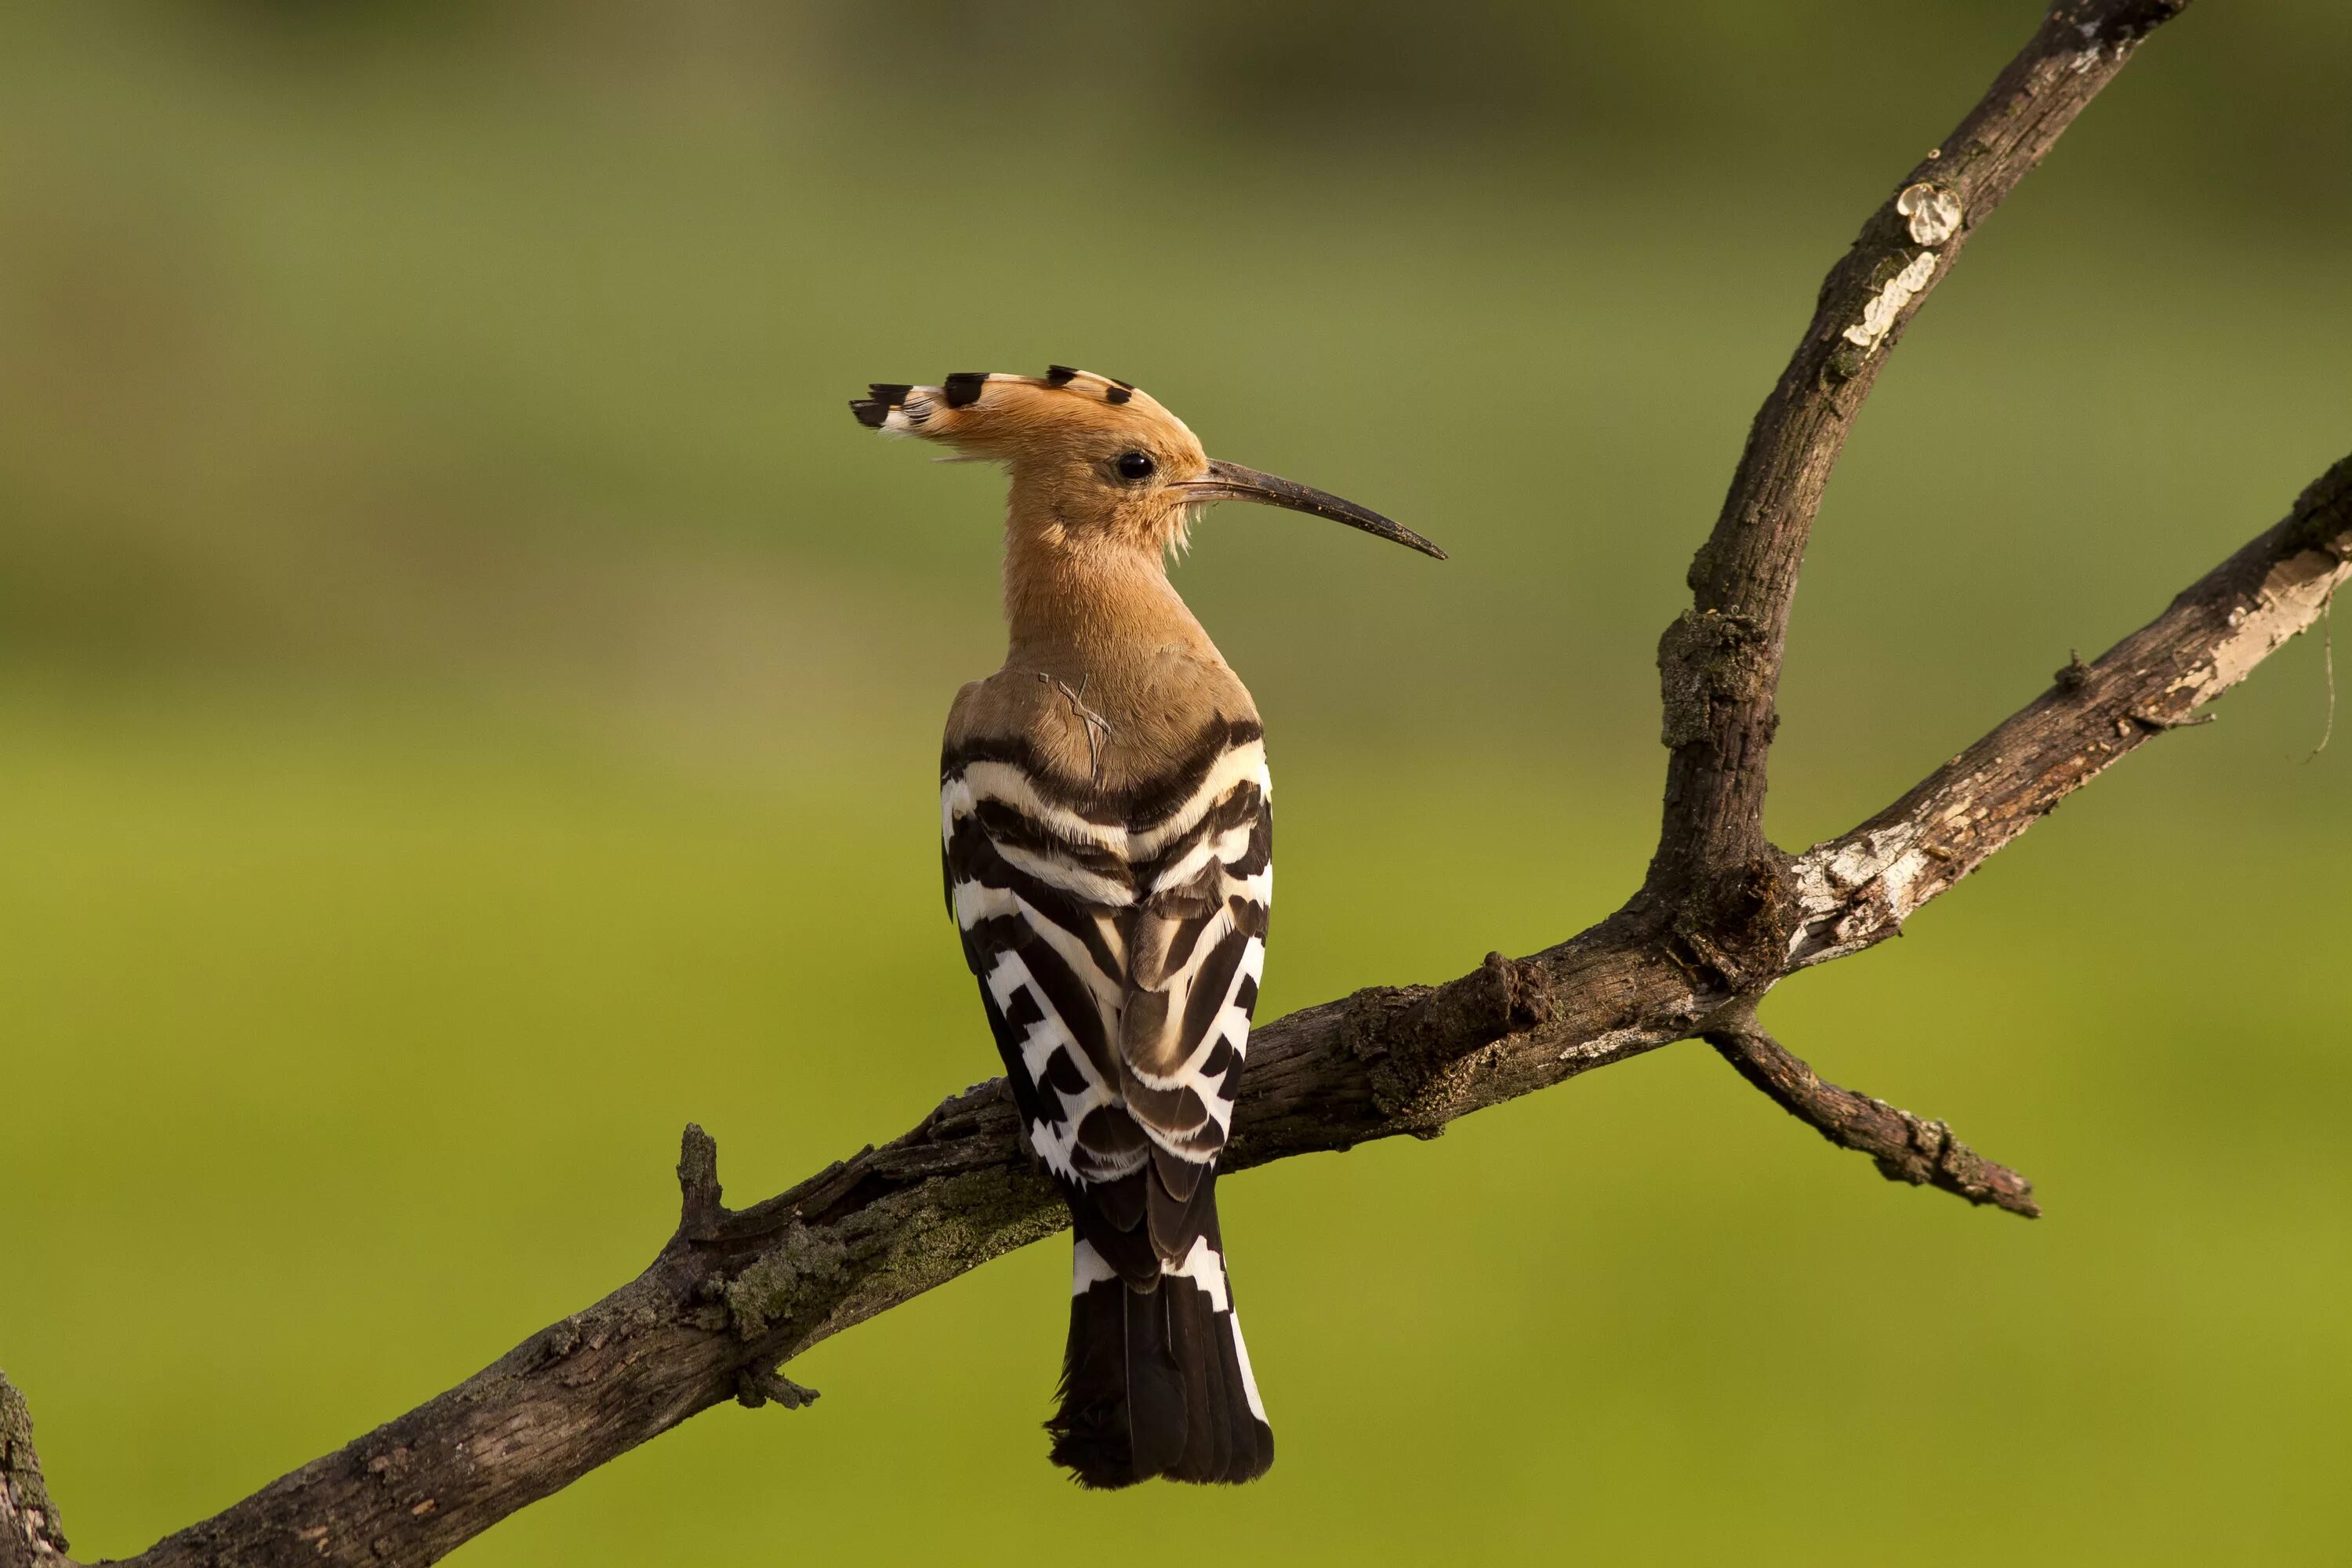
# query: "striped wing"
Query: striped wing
{"points": [[1118, 941]]}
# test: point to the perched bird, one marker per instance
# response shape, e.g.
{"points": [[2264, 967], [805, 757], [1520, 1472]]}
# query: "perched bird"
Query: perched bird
{"points": [[1106, 820]]}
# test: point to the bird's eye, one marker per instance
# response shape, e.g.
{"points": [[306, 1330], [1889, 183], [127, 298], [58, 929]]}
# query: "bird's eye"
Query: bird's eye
{"points": [[1134, 466]]}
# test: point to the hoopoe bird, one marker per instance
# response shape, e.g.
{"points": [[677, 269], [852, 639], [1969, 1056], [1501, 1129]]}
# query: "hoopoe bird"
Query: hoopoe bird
{"points": [[1106, 820]]}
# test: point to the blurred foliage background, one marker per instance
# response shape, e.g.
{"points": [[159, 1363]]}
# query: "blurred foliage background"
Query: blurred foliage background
{"points": [[468, 701]]}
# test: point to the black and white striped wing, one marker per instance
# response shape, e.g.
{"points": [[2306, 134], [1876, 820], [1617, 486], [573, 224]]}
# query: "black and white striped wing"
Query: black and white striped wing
{"points": [[1196, 951], [1037, 892], [1119, 942]]}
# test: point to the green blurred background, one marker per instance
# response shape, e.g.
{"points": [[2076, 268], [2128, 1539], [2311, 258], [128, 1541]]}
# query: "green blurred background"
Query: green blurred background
{"points": [[468, 701]]}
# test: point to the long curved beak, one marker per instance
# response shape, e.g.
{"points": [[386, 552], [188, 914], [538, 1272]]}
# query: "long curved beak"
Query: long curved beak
{"points": [[1230, 481]]}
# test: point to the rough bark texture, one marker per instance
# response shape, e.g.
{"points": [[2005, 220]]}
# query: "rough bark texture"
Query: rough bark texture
{"points": [[1722, 916], [30, 1531]]}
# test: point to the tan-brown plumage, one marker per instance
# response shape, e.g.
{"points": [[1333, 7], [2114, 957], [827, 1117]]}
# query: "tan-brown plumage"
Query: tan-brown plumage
{"points": [[1096, 627], [1106, 825]]}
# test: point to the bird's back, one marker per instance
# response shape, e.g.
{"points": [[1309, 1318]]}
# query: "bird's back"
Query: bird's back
{"points": [[1110, 870]]}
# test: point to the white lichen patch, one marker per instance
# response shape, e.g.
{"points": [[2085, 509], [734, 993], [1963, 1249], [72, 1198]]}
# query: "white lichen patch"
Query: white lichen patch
{"points": [[1601, 1047], [1933, 214], [1840, 907], [1879, 315], [1675, 1021]]}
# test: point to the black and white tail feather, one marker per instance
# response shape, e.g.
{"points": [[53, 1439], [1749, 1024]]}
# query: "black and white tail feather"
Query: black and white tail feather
{"points": [[1119, 938]]}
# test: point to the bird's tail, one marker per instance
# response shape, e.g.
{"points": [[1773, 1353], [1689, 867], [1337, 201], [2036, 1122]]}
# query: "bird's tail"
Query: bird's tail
{"points": [[1155, 1380]]}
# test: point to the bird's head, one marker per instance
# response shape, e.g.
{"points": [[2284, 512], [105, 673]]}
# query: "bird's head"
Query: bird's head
{"points": [[1096, 461]]}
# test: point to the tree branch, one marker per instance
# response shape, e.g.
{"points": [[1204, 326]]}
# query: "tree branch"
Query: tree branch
{"points": [[1721, 662], [1858, 889], [1907, 1148], [1721, 917]]}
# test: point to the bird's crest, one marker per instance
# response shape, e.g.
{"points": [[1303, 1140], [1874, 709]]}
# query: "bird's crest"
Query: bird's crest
{"points": [[1096, 454], [993, 414]]}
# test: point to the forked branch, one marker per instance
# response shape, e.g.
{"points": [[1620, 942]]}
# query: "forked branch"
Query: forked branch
{"points": [[1722, 917]]}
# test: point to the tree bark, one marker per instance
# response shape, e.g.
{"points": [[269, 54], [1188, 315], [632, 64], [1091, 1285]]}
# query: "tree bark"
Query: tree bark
{"points": [[30, 1531]]}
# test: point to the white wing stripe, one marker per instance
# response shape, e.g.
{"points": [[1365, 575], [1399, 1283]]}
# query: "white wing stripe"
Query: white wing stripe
{"points": [[1225, 849], [1249, 1378], [1088, 1269], [975, 902], [1206, 1267], [1055, 1142], [1004, 783], [1081, 963], [1236, 1019], [1091, 885]]}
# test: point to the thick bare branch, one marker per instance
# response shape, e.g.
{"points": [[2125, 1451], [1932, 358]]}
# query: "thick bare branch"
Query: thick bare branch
{"points": [[1907, 1148], [1721, 662]]}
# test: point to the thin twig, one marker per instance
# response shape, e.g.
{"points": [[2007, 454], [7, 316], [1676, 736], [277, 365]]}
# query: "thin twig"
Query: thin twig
{"points": [[1907, 1148]]}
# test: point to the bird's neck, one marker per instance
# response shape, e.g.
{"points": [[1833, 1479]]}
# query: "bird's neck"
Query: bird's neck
{"points": [[1090, 609]]}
